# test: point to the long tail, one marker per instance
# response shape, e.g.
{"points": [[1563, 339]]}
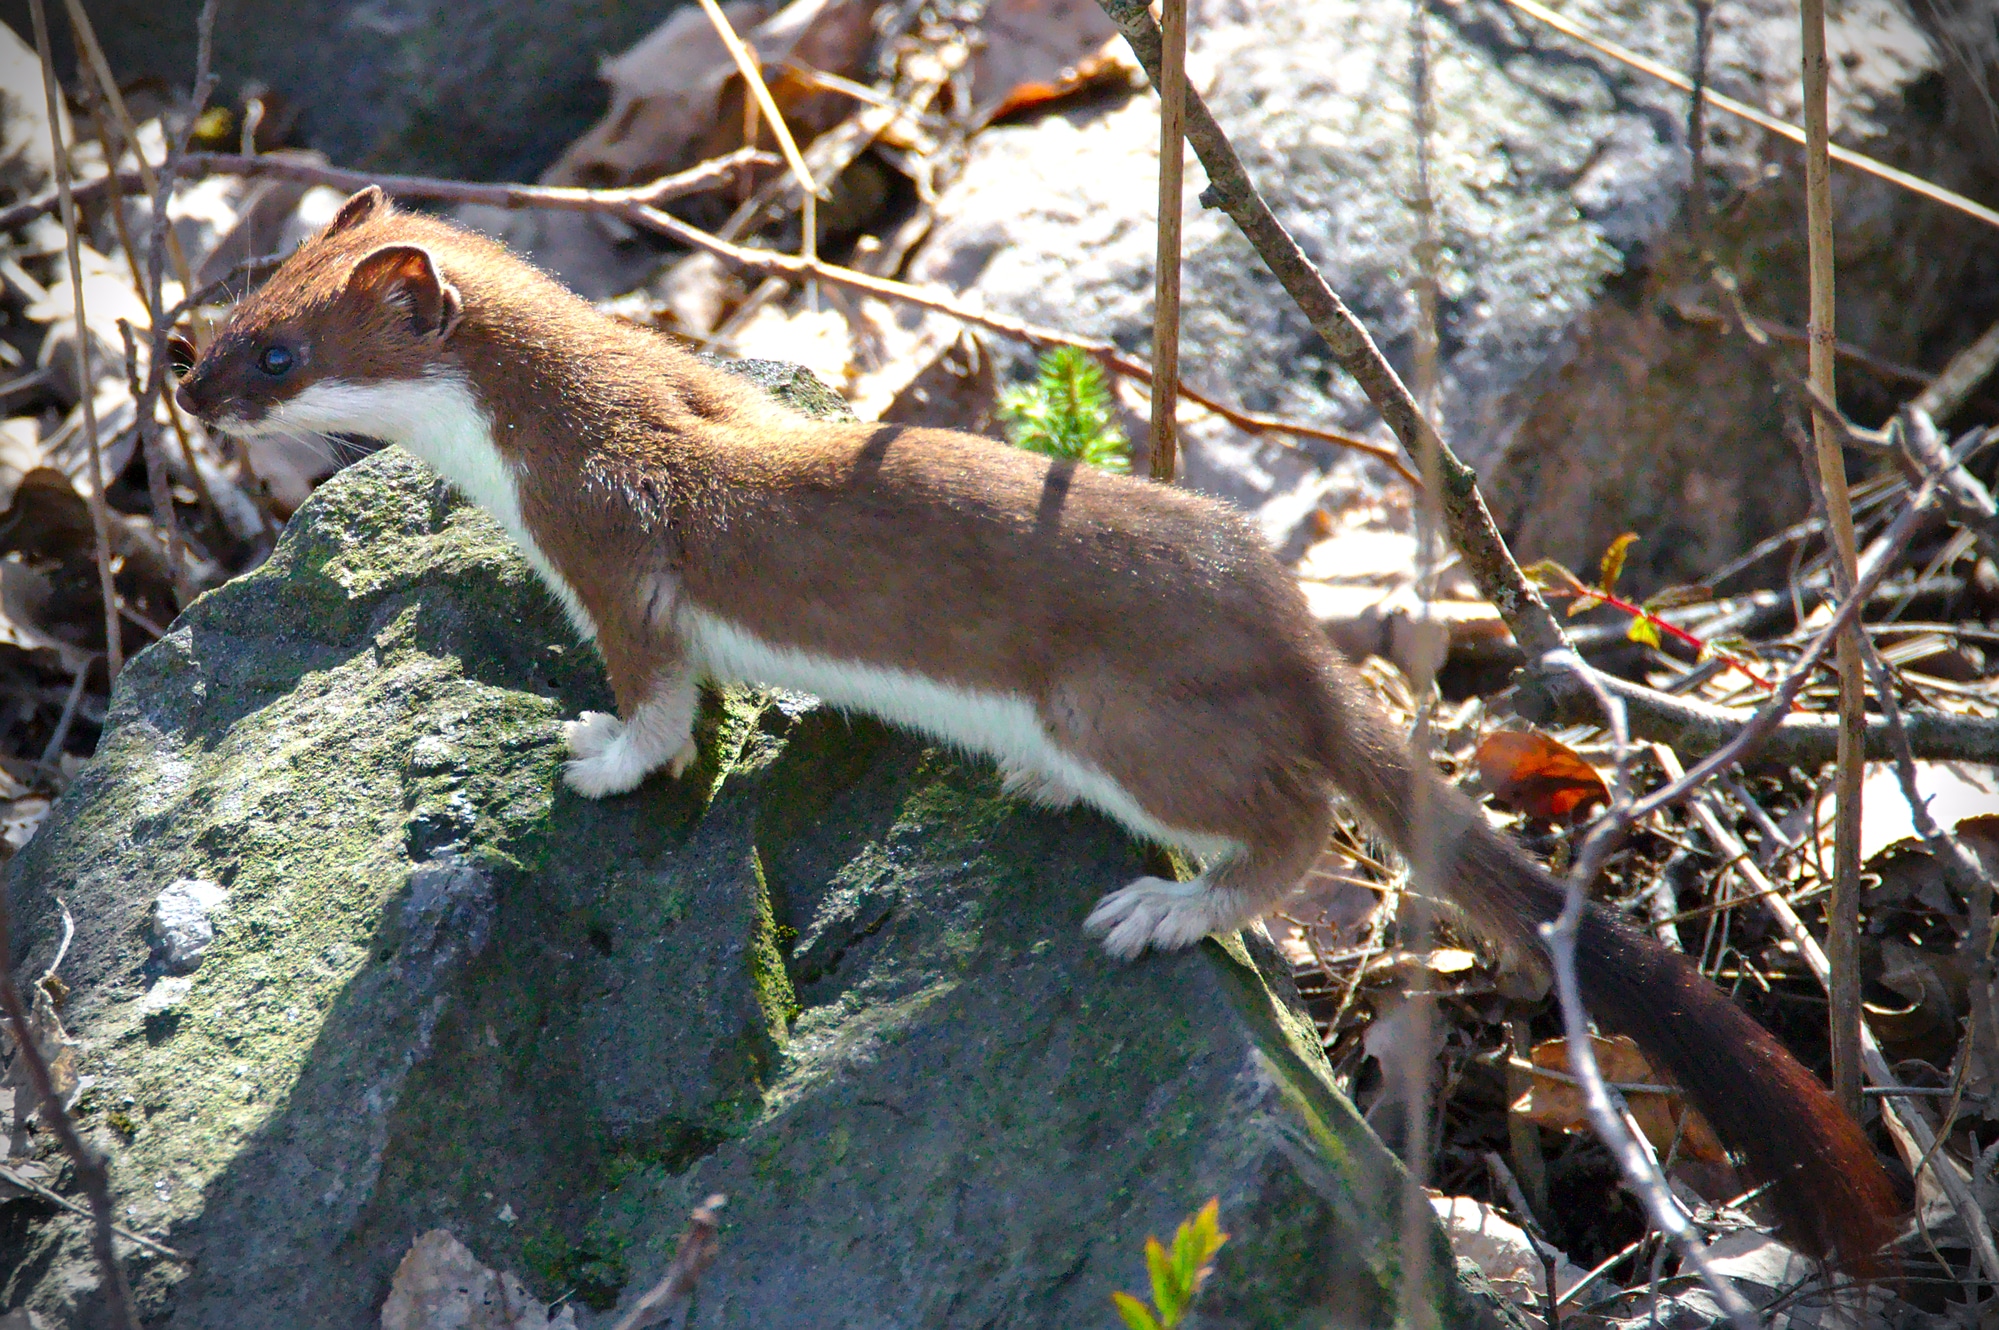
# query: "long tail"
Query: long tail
{"points": [[1830, 1193]]}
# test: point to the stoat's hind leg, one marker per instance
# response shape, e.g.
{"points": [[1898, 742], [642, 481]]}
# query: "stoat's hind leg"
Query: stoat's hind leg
{"points": [[1153, 912], [1037, 787], [610, 756]]}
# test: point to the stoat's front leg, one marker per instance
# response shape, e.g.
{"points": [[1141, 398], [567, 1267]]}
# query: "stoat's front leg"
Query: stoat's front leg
{"points": [[655, 686], [610, 756]]}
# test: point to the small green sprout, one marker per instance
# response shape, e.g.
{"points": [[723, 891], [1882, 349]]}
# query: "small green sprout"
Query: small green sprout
{"points": [[1176, 1275], [1066, 412]]}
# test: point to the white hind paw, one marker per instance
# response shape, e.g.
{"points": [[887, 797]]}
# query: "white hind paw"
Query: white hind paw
{"points": [[676, 766], [1154, 912]]}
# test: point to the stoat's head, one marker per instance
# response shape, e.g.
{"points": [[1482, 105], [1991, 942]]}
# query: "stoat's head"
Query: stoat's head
{"points": [[361, 309]]}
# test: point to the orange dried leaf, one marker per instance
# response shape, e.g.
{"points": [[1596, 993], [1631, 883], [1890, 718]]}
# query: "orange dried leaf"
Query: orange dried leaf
{"points": [[1559, 1103], [1538, 775]]}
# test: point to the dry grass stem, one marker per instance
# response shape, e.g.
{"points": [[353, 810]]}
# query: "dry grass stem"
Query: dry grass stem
{"points": [[750, 65], [1843, 917], [100, 517], [1166, 291]]}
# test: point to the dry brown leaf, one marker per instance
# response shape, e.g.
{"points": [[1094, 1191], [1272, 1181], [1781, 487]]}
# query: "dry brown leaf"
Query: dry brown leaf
{"points": [[676, 97], [1539, 776], [1038, 50], [1559, 1103], [442, 1286]]}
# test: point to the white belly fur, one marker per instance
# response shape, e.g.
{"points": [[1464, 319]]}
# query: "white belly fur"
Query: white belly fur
{"points": [[1003, 726]]}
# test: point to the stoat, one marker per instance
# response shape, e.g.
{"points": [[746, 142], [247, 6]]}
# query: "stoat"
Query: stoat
{"points": [[1105, 640]]}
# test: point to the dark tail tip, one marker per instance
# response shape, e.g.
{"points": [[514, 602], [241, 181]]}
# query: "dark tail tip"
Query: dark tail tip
{"points": [[1831, 1195]]}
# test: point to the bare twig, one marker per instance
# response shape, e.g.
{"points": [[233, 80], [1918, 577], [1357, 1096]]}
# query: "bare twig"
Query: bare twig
{"points": [[1551, 1301], [1913, 1137], [58, 1199], [1960, 869], [157, 489], [1749, 736], [693, 1256], [1641, 1172], [1843, 915], [1721, 736], [114, 100], [749, 65], [100, 517], [90, 1168], [1166, 299], [1962, 495], [1742, 110], [1966, 370], [1477, 539], [52, 754]]}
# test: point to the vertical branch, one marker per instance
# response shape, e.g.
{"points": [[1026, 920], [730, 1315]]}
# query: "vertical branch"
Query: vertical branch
{"points": [[1166, 298], [100, 517], [1426, 864], [1843, 922], [1697, 205]]}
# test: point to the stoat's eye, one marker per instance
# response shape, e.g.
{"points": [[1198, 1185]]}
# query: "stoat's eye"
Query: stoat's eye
{"points": [[180, 355], [275, 361]]}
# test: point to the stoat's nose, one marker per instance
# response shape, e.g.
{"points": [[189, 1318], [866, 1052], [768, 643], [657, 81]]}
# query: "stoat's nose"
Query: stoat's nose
{"points": [[184, 399]]}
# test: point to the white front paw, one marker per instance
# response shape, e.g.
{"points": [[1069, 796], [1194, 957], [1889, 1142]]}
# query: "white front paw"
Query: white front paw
{"points": [[601, 758], [605, 774], [591, 733]]}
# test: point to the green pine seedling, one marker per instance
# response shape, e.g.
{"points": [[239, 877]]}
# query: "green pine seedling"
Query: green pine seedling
{"points": [[1066, 412], [1177, 1275]]}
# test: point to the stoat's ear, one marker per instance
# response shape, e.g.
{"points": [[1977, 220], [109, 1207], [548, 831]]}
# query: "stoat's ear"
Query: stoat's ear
{"points": [[360, 206], [406, 276]]}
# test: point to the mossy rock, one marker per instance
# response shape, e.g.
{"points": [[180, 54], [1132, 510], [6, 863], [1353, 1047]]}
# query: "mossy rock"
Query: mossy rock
{"points": [[832, 972]]}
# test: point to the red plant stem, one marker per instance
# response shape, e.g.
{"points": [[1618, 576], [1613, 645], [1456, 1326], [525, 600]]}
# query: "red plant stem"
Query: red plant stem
{"points": [[1639, 611]]}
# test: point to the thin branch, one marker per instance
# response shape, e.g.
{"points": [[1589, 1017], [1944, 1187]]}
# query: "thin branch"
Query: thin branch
{"points": [[1960, 869], [89, 1165], [306, 170], [1843, 914], [1962, 495], [1844, 156], [86, 387], [1966, 370], [1914, 1139], [1641, 1171], [58, 1199], [1880, 558], [1166, 298], [1486, 557], [693, 1256], [748, 63]]}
